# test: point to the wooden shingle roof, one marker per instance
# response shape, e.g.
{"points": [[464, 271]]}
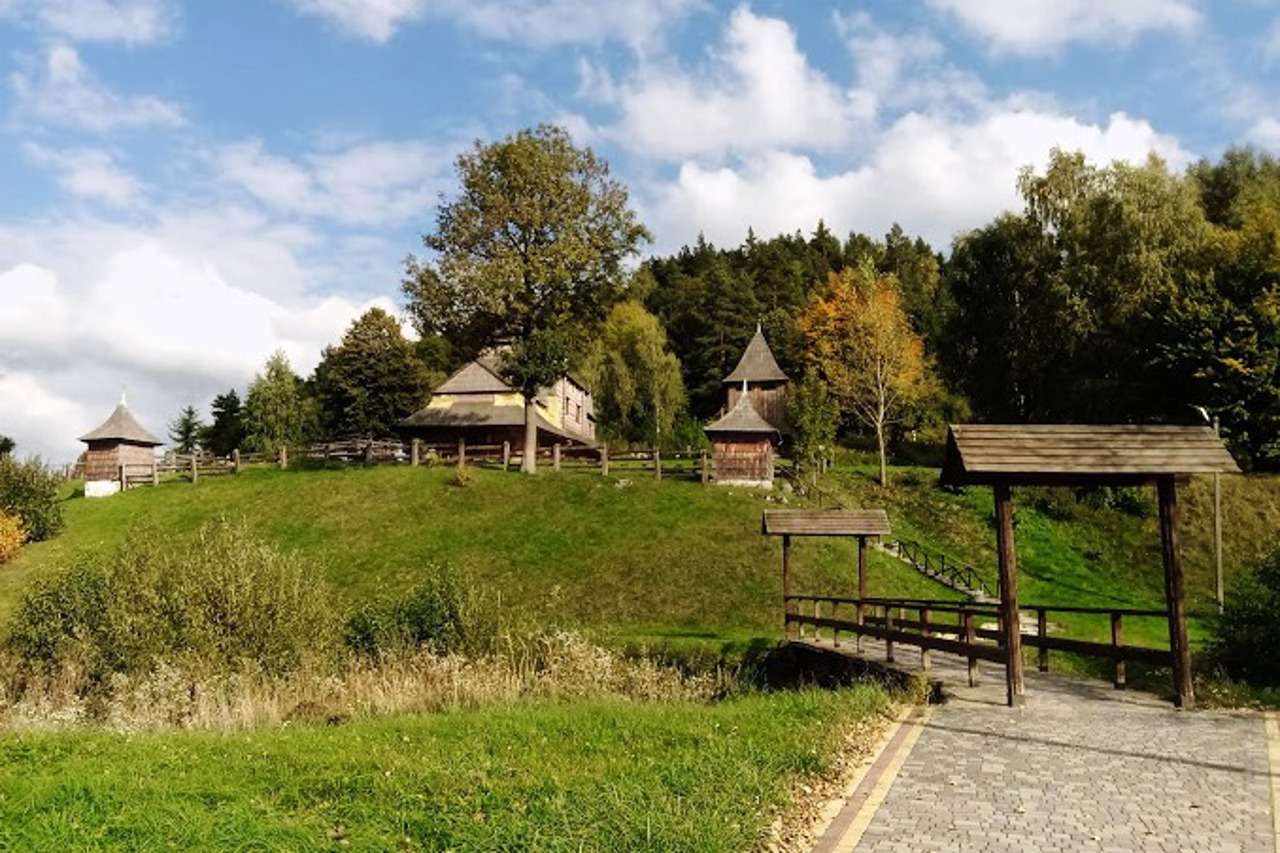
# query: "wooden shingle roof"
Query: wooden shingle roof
{"points": [[743, 418], [757, 363], [980, 454], [122, 426], [475, 377], [830, 522]]}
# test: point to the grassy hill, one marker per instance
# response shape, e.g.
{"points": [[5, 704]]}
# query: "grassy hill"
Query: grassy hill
{"points": [[648, 560]]}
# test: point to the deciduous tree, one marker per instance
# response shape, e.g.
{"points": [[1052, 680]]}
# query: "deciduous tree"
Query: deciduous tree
{"points": [[528, 255], [372, 380], [276, 412]]}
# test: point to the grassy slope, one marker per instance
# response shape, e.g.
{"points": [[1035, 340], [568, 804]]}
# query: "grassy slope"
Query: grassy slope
{"points": [[553, 777], [652, 560]]}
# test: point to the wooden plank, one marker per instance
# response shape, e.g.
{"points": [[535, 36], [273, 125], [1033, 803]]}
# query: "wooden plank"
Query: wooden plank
{"points": [[825, 523], [985, 652]]}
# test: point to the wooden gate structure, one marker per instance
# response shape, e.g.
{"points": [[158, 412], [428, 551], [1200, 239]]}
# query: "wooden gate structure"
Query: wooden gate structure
{"points": [[1005, 457]]}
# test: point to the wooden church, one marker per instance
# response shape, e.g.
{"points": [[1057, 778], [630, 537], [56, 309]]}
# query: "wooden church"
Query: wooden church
{"points": [[745, 440], [121, 442]]}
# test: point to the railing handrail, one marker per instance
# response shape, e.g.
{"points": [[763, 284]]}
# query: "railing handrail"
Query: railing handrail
{"points": [[944, 604]]}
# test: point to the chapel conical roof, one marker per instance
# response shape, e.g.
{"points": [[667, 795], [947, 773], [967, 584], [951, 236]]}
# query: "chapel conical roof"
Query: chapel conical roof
{"points": [[743, 417], [757, 363], [122, 426]]}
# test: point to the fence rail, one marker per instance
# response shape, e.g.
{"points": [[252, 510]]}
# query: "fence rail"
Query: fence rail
{"points": [[912, 622], [936, 566]]}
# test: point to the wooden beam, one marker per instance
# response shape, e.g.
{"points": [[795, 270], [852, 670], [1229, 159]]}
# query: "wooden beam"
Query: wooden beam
{"points": [[1012, 641], [786, 586], [863, 583], [1184, 695]]}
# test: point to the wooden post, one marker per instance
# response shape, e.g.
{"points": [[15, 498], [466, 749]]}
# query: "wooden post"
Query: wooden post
{"points": [[368, 454], [863, 583], [506, 455], [1217, 528], [835, 624], [1011, 627], [924, 629], [1184, 695], [1117, 640], [970, 638], [124, 480], [415, 452], [195, 471], [604, 460], [155, 473], [817, 612], [1042, 631], [555, 456], [786, 586], [888, 626], [657, 463], [284, 458], [702, 467], [235, 461], [462, 452]]}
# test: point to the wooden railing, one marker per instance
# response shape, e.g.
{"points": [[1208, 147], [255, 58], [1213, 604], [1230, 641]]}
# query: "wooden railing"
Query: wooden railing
{"points": [[958, 631], [937, 566]]}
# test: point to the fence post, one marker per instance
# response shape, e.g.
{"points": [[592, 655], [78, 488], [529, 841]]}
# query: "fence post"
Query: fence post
{"points": [[506, 455], [124, 482], [155, 473], [970, 638], [1117, 640], [415, 452], [195, 470], [555, 456], [786, 587], [604, 460], [817, 612], [284, 457], [702, 467], [235, 461], [1042, 630], [462, 452], [888, 626], [835, 623], [924, 630], [657, 463], [368, 454]]}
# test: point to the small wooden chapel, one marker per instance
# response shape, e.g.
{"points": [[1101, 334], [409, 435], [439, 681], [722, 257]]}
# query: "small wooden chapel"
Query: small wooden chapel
{"points": [[119, 443], [744, 440]]}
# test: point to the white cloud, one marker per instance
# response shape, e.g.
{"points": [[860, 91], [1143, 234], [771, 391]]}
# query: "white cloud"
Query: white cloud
{"points": [[376, 20], [162, 318], [758, 91], [63, 92], [1265, 133], [128, 21], [88, 173], [935, 176], [369, 183], [542, 23], [1042, 26]]}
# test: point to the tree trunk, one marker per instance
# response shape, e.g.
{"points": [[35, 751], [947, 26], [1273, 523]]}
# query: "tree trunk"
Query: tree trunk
{"points": [[884, 467], [529, 460]]}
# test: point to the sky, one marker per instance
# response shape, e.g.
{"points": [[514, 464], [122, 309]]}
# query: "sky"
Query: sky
{"points": [[187, 185]]}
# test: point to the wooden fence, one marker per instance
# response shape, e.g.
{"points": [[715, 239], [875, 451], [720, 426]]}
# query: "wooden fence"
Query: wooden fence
{"points": [[962, 628]]}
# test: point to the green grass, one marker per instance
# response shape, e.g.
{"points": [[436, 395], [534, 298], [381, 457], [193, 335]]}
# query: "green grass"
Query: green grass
{"points": [[594, 776], [671, 561]]}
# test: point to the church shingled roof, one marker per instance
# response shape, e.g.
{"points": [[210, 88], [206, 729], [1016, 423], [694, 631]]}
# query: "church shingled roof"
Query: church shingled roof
{"points": [[757, 363], [743, 417], [122, 426]]}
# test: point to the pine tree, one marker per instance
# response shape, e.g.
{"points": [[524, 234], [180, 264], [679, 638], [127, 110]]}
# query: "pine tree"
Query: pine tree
{"points": [[226, 433], [186, 431]]}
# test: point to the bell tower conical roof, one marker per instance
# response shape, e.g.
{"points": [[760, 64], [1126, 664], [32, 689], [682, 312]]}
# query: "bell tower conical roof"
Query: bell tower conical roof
{"points": [[757, 363]]}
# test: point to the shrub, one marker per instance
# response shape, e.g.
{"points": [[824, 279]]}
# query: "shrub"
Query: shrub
{"points": [[436, 613], [12, 535], [218, 600], [1248, 633], [29, 490]]}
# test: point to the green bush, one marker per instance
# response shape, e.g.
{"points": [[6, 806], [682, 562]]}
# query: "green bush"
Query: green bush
{"points": [[435, 613], [29, 490], [1248, 633], [216, 601]]}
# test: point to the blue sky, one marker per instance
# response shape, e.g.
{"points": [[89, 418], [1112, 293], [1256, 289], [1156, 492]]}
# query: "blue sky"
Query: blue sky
{"points": [[185, 186]]}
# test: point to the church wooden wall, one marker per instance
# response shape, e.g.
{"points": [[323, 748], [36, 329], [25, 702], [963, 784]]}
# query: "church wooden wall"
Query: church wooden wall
{"points": [[769, 401], [748, 458]]}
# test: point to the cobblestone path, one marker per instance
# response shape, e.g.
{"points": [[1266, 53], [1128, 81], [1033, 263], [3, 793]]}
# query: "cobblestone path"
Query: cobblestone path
{"points": [[1082, 767]]}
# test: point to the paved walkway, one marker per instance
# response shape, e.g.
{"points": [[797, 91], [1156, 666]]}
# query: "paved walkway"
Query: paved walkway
{"points": [[1082, 767]]}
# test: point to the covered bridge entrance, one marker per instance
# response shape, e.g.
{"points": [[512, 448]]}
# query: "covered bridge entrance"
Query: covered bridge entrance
{"points": [[1004, 457]]}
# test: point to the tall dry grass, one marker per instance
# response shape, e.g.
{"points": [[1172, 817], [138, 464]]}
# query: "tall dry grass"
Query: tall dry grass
{"points": [[558, 666]]}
